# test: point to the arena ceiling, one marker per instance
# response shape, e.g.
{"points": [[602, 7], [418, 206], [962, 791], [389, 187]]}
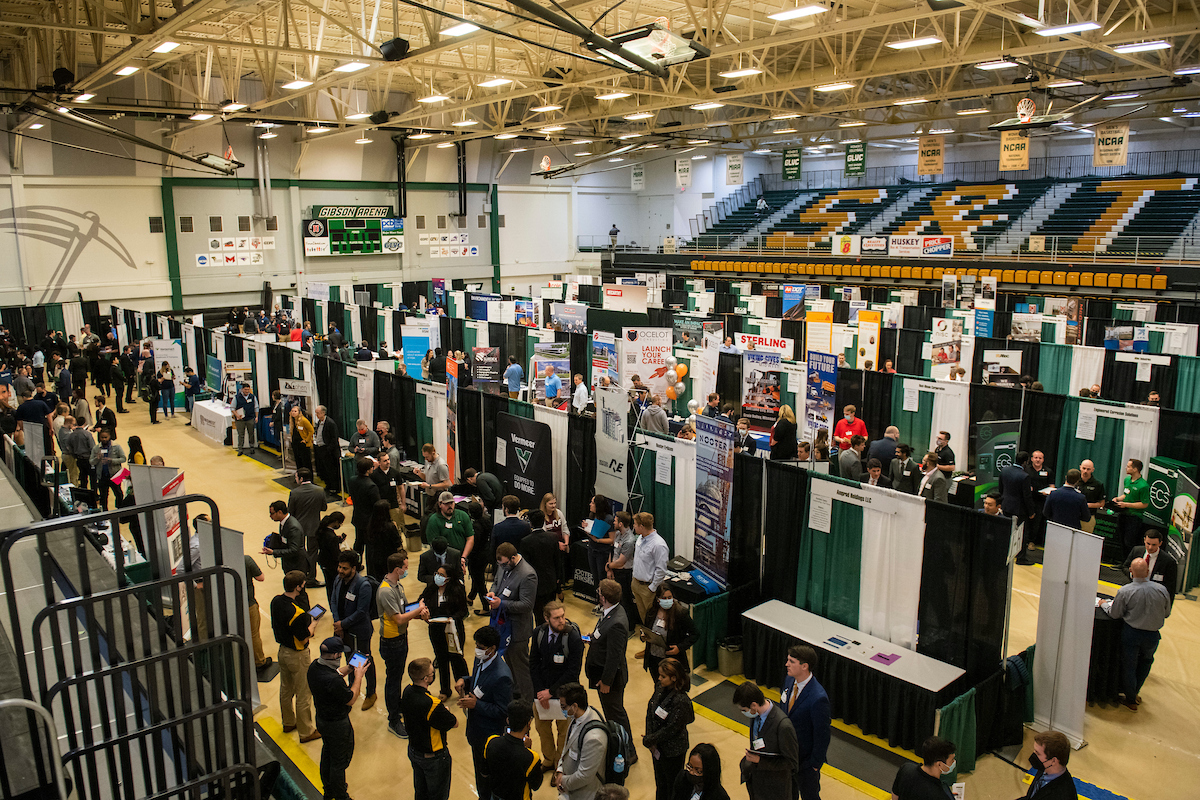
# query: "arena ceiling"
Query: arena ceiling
{"points": [[824, 73]]}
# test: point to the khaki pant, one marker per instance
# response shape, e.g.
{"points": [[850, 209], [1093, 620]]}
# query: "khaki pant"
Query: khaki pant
{"points": [[260, 657], [1089, 526], [70, 467], [293, 683], [644, 599], [552, 746]]}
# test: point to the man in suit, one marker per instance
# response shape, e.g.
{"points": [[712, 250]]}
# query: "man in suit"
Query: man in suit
{"points": [[485, 696], [364, 494], [438, 555], [293, 555], [350, 602], [850, 460], [1016, 501], [885, 449], [513, 594], [327, 451], [1052, 781], [606, 667], [555, 659], [540, 550], [904, 472], [934, 483], [306, 503], [770, 765], [1162, 566], [875, 476], [807, 706], [1040, 477], [1066, 505], [512, 528], [581, 766]]}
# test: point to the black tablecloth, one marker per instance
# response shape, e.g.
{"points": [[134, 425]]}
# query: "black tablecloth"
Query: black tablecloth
{"points": [[582, 573], [880, 704], [1104, 672]]}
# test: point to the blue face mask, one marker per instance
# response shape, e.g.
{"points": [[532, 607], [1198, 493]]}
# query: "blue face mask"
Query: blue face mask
{"points": [[404, 574], [849, 418], [748, 714], [666, 603], [440, 580]]}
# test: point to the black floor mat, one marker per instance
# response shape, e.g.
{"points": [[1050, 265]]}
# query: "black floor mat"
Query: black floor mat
{"points": [[266, 457], [1110, 573], [303, 784]]}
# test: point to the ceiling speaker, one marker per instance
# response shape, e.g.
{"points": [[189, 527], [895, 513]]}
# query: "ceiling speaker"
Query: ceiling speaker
{"points": [[379, 117], [394, 49]]}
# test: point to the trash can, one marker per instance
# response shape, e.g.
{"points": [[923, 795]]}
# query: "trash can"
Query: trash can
{"points": [[729, 656]]}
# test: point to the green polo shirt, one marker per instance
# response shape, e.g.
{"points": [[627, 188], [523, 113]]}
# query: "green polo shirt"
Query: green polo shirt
{"points": [[456, 530], [1137, 492]]}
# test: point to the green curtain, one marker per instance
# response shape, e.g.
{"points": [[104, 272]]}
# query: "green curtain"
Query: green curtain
{"points": [[831, 566], [381, 330], [424, 423], [851, 353], [54, 318], [711, 616], [915, 426], [682, 400], [957, 724], [1187, 387], [519, 408], [1105, 451], [658, 498], [1049, 331], [350, 405], [335, 293], [1156, 341], [385, 296], [347, 326], [1054, 368], [470, 337], [1119, 313]]}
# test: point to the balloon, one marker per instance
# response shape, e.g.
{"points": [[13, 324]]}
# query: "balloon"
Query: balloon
{"points": [[692, 420], [680, 388], [671, 392], [693, 405], [681, 369], [672, 376], [670, 361]]}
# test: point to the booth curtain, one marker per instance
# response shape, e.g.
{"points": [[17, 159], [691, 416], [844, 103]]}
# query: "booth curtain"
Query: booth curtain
{"points": [[1120, 381], [1042, 421], [1054, 368], [830, 567], [658, 497], [711, 617], [915, 426], [787, 502], [581, 467], [746, 520], [470, 431], [956, 723], [1105, 452]]}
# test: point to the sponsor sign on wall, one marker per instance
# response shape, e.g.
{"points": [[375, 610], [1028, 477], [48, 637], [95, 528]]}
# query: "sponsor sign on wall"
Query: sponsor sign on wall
{"points": [[921, 246], [733, 169]]}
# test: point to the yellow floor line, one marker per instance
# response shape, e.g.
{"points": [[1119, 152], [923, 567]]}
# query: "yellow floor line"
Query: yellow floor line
{"points": [[292, 749], [855, 783]]}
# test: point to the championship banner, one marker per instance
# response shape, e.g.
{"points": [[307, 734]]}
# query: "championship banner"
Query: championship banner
{"points": [[550, 354], [524, 460], [819, 395], [760, 389], [995, 447], [612, 444], [683, 173], [733, 169], [1111, 145], [869, 323], [485, 368], [604, 357], [791, 164], [1014, 150], [856, 159], [637, 181], [931, 155], [644, 353], [818, 332], [714, 497]]}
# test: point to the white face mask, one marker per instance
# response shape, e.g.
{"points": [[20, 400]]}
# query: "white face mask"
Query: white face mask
{"points": [[748, 714], [480, 654], [440, 580], [949, 768]]}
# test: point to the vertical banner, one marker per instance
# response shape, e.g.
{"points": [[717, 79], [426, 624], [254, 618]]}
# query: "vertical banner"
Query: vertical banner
{"points": [[819, 396], [604, 358], [638, 180], [733, 169], [949, 290], [524, 460], [683, 173], [1014, 150], [1111, 145], [760, 389], [171, 351], [791, 164], [945, 347], [706, 374], [1183, 521], [550, 354], [612, 444], [714, 496], [869, 323], [793, 301], [995, 447], [451, 418], [856, 159], [818, 332], [931, 152], [415, 343], [439, 292], [485, 372], [987, 293], [645, 352]]}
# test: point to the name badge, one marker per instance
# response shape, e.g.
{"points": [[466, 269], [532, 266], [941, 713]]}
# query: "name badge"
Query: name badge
{"points": [[574, 754], [559, 658], [660, 713], [350, 596], [1156, 578], [595, 634], [783, 698], [506, 592], [1042, 473], [478, 693], [391, 483], [758, 744], [907, 472], [448, 526]]}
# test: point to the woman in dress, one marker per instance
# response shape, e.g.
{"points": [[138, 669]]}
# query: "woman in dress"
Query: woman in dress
{"points": [[783, 435], [668, 714]]}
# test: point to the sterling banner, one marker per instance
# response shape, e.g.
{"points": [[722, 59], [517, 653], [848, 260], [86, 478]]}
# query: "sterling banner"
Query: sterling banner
{"points": [[612, 445], [714, 497], [523, 458]]}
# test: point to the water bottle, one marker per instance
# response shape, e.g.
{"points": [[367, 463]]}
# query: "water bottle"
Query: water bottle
{"points": [[619, 764]]}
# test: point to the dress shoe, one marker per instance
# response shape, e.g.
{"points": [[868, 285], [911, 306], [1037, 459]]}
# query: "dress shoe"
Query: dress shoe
{"points": [[1132, 705], [289, 728], [368, 701], [312, 737]]}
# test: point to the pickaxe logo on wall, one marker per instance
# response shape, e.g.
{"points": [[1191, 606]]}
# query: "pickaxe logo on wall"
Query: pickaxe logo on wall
{"points": [[71, 230]]}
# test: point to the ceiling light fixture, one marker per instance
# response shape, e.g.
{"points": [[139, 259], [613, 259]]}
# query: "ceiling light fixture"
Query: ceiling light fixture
{"points": [[698, 141], [909, 101], [785, 116], [421, 135], [232, 106], [1063, 84], [1188, 70], [36, 126], [364, 139], [697, 158], [1071, 27], [584, 153], [297, 84], [464, 123], [1002, 63], [854, 140], [614, 95], [494, 82], [359, 115], [919, 42], [582, 141], [762, 151], [1122, 96], [518, 150], [639, 115], [123, 71], [936, 131], [625, 136], [460, 29], [165, 47], [740, 73], [545, 108], [553, 128], [268, 134], [444, 145], [797, 12], [707, 106], [200, 116], [351, 66], [615, 160], [505, 136], [966, 112], [83, 98], [433, 98], [854, 123], [318, 129], [786, 130], [1142, 47], [835, 87], [63, 110]]}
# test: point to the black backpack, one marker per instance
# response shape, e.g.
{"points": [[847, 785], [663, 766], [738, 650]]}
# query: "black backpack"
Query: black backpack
{"points": [[373, 613], [618, 749]]}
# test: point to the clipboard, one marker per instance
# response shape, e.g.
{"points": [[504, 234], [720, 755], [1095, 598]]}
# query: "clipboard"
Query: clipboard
{"points": [[652, 638]]}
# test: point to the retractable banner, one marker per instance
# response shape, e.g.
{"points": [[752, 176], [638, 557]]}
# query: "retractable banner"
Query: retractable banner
{"points": [[760, 389], [612, 444], [524, 458], [714, 497], [819, 395]]}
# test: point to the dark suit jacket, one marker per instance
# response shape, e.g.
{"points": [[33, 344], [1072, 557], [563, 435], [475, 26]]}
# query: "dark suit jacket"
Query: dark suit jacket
{"points": [[774, 776], [428, 565], [521, 583], [1164, 568], [544, 670], [293, 554], [1016, 493], [540, 549], [810, 716], [606, 661], [850, 465], [1067, 507], [306, 503], [901, 482], [329, 433], [364, 494], [683, 635], [491, 711], [884, 449], [1061, 788], [938, 487], [884, 480]]}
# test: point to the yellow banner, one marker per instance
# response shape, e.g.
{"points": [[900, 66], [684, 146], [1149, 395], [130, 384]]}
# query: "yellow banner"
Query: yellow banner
{"points": [[931, 155], [1014, 150]]}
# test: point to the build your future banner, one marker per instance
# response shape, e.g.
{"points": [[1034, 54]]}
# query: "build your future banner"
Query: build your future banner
{"points": [[523, 458]]}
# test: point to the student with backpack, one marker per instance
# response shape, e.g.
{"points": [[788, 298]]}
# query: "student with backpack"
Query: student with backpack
{"points": [[584, 765], [606, 668], [555, 659]]}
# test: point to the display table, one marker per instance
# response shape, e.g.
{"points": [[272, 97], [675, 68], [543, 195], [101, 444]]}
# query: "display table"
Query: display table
{"points": [[897, 701], [581, 572], [1104, 668], [213, 419]]}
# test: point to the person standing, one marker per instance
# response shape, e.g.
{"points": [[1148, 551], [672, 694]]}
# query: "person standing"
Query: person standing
{"points": [[770, 764], [333, 699], [553, 387], [806, 704], [1066, 505], [613, 233], [245, 418], [850, 458], [934, 483], [606, 668], [581, 765], [1133, 501], [620, 568], [166, 388], [513, 375], [446, 607], [393, 637], [884, 449], [1160, 566], [700, 778], [512, 597], [117, 375], [650, 558], [485, 695], [106, 460], [580, 397], [668, 713], [1040, 479], [292, 555], [1016, 489], [946, 460], [653, 418], [428, 721], [327, 450], [924, 781], [1093, 491], [1051, 780], [513, 766], [293, 628], [669, 619], [849, 426], [451, 523], [306, 503], [434, 475], [555, 659], [383, 539], [253, 574], [540, 551], [351, 600], [300, 437], [364, 494], [743, 442], [783, 435], [191, 388], [1144, 605]]}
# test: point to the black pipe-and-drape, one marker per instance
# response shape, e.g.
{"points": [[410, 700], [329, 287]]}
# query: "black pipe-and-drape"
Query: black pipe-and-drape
{"points": [[396, 402], [470, 430], [1040, 423], [992, 403], [368, 322], [745, 530], [493, 406], [235, 349], [1120, 381], [729, 379], [279, 365], [336, 317], [1031, 355], [581, 465], [868, 391], [659, 318], [982, 345], [14, 320], [1179, 436], [909, 347], [785, 510]]}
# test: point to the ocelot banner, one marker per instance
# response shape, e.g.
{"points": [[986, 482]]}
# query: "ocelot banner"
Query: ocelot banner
{"points": [[524, 459]]}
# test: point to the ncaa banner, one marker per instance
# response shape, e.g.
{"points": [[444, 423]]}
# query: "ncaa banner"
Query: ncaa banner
{"points": [[714, 497], [683, 173], [644, 354], [1111, 145], [612, 444], [1014, 151], [931, 155], [524, 460]]}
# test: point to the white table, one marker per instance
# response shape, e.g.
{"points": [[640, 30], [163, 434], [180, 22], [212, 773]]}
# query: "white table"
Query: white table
{"points": [[213, 419]]}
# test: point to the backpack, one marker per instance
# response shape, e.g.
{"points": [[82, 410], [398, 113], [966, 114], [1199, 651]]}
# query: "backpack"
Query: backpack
{"points": [[618, 749], [374, 608], [564, 639]]}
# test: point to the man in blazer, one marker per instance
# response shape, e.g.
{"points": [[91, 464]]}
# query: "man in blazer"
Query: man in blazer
{"points": [[439, 554], [904, 472], [1163, 568], [874, 475], [1052, 780], [514, 592], [807, 706], [350, 602], [364, 494], [305, 504], [327, 451], [605, 666], [580, 771], [555, 659], [292, 555], [934, 483], [770, 765], [485, 695]]}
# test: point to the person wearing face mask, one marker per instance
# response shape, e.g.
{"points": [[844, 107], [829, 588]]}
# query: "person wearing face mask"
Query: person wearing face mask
{"points": [[445, 599], [513, 595], [806, 704], [669, 619], [514, 766], [924, 781], [393, 636], [668, 714], [428, 721], [849, 425], [1051, 781], [700, 778], [333, 699], [485, 695], [769, 767], [438, 555], [581, 765]]}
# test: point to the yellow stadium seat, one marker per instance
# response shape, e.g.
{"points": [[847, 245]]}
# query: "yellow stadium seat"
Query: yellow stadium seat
{"points": [[1143, 281], [905, 272], [1158, 282], [1047, 277], [961, 272], [1087, 279], [926, 273], [1129, 281], [1007, 276], [1021, 276], [1060, 278], [938, 272], [876, 271], [1072, 278], [1110, 280]]}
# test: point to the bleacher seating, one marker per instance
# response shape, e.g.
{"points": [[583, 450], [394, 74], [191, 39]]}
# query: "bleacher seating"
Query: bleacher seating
{"points": [[746, 217], [1162, 220], [827, 213]]}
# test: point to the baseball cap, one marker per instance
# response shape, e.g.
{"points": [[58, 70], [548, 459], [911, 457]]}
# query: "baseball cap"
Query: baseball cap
{"points": [[333, 645], [446, 497]]}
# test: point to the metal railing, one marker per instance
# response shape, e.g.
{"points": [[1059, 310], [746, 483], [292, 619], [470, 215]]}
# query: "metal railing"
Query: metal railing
{"points": [[726, 206]]}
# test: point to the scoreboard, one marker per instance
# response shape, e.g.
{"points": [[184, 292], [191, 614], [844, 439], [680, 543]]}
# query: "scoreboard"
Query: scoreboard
{"points": [[356, 231]]}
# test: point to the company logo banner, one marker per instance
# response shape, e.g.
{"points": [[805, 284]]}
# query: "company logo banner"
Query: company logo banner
{"points": [[524, 460], [644, 353], [612, 444], [714, 497]]}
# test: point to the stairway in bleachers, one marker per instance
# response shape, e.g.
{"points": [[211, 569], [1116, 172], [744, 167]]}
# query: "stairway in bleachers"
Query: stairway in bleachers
{"points": [[1159, 223], [745, 216]]}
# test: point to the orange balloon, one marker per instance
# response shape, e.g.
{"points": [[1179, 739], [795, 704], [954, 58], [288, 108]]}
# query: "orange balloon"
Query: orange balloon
{"points": [[681, 369], [671, 392]]}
